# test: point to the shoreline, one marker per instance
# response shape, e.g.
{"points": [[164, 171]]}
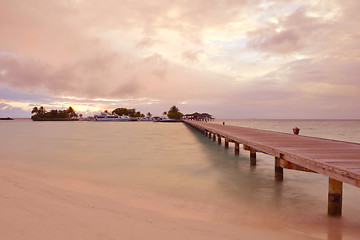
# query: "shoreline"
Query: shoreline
{"points": [[55, 119], [38, 207]]}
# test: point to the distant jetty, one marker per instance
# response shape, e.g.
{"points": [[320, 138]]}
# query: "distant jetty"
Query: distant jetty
{"points": [[8, 118]]}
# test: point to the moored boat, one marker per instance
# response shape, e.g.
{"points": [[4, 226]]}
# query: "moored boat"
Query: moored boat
{"points": [[165, 119], [8, 118], [106, 117]]}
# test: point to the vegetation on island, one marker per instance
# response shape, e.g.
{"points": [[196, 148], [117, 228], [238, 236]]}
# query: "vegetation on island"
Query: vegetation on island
{"points": [[174, 113], [41, 113], [128, 112]]}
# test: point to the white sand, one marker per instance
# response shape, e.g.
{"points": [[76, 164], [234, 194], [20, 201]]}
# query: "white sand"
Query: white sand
{"points": [[43, 207]]}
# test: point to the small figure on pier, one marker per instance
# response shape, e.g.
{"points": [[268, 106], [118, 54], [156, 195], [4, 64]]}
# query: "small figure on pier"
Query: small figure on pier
{"points": [[223, 123], [296, 130]]}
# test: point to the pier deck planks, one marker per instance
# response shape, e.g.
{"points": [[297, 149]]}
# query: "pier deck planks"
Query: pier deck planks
{"points": [[336, 159]]}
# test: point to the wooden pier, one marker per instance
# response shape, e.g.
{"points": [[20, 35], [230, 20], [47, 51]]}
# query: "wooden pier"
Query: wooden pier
{"points": [[338, 160]]}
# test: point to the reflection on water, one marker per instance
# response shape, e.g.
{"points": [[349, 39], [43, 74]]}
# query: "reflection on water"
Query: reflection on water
{"points": [[175, 159]]}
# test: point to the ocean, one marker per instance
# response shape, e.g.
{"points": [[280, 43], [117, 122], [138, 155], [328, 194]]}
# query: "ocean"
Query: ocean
{"points": [[175, 160]]}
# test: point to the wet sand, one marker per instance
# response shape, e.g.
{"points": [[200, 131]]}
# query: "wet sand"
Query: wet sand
{"points": [[43, 207]]}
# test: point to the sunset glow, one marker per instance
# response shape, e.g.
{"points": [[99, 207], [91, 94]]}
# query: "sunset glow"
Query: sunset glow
{"points": [[234, 59]]}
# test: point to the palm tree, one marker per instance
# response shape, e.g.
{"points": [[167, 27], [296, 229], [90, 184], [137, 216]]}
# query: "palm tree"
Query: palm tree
{"points": [[41, 110], [35, 110], [174, 113], [165, 113], [71, 113], [174, 109], [149, 115]]}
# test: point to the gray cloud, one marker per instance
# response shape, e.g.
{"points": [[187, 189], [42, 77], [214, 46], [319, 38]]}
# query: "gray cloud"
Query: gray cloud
{"points": [[191, 56], [294, 32]]}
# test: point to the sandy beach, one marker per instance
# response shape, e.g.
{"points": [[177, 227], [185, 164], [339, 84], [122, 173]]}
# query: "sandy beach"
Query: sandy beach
{"points": [[43, 207]]}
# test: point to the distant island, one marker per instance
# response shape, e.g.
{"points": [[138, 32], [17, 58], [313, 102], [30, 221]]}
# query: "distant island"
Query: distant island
{"points": [[40, 114], [8, 118], [118, 114]]}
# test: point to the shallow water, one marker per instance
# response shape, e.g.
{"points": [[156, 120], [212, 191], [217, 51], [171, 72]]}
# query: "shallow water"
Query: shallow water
{"points": [[176, 160]]}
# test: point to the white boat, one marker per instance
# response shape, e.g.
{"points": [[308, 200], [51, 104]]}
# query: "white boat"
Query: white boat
{"points": [[164, 119], [157, 119], [169, 120], [106, 117], [145, 119]]}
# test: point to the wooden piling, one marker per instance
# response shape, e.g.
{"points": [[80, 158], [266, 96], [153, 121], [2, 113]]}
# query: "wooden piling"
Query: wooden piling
{"points": [[335, 197], [237, 148], [209, 135], [214, 137], [226, 143], [278, 170], [252, 157], [219, 139]]}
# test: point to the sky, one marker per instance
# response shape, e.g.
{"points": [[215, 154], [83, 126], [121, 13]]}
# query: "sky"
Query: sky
{"points": [[231, 58]]}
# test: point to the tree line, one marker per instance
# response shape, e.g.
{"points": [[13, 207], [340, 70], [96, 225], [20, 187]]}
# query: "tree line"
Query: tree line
{"points": [[173, 113], [41, 112], [69, 113], [128, 112]]}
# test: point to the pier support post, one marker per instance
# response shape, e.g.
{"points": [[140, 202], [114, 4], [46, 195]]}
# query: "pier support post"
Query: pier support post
{"points": [[226, 143], [335, 197], [279, 175], [252, 157], [214, 137], [237, 148], [219, 139], [209, 135]]}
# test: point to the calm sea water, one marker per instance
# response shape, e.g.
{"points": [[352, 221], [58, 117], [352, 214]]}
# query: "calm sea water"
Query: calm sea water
{"points": [[176, 160]]}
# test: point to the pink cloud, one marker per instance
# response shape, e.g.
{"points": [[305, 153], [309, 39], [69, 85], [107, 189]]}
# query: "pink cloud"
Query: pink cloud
{"points": [[191, 56], [283, 42], [293, 34], [149, 49]]}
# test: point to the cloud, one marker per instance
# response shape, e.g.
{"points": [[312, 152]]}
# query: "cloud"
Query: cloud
{"points": [[215, 54], [191, 56], [145, 43], [282, 42], [7, 110], [327, 70], [288, 34]]}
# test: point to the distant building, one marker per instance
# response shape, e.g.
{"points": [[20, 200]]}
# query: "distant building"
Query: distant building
{"points": [[198, 117]]}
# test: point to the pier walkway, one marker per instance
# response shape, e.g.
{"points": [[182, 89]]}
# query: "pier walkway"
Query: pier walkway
{"points": [[338, 160]]}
